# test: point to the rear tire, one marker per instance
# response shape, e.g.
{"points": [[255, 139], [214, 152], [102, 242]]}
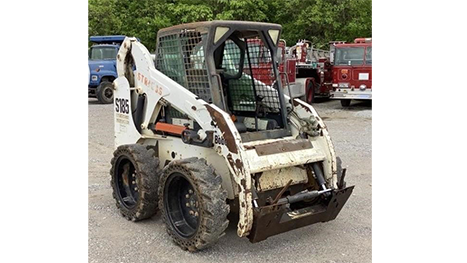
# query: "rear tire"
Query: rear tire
{"points": [[135, 177], [193, 203], [345, 103], [105, 92], [310, 92]]}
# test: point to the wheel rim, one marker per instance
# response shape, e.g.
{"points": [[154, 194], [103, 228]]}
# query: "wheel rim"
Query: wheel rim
{"points": [[108, 93], [125, 178], [182, 205]]}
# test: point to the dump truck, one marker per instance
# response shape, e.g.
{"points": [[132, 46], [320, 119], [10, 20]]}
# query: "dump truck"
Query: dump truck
{"points": [[201, 135], [102, 66]]}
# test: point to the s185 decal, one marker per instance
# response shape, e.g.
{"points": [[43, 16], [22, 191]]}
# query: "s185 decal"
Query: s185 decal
{"points": [[122, 106]]}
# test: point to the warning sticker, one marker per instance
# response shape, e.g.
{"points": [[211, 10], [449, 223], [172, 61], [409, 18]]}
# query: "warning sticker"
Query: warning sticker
{"points": [[363, 76]]}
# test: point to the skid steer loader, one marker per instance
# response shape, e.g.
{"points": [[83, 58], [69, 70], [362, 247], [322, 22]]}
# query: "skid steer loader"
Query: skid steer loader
{"points": [[199, 135]]}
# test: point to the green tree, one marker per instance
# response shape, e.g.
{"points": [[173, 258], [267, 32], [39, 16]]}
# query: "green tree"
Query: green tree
{"points": [[319, 21], [102, 18]]}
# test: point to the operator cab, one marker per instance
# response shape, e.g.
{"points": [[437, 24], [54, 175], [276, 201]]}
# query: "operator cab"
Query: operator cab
{"points": [[105, 47], [231, 64]]}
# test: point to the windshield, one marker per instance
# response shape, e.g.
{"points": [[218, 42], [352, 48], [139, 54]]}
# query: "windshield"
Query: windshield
{"points": [[255, 78], [99, 53], [368, 56], [349, 56]]}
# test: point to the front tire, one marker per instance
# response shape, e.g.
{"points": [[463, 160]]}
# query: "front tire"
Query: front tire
{"points": [[105, 92], [135, 176], [345, 103], [193, 203]]}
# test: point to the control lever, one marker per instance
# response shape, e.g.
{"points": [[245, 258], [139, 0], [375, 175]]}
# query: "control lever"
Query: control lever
{"points": [[259, 99]]}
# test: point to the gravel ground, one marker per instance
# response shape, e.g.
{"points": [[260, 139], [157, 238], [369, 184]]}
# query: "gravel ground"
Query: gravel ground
{"points": [[346, 239]]}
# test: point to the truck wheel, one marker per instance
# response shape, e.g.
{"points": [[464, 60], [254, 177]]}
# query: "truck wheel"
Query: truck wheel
{"points": [[339, 171], [310, 92], [105, 92], [193, 203], [135, 177], [345, 103]]}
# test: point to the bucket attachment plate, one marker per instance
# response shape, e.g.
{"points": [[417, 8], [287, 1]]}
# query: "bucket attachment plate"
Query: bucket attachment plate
{"points": [[273, 220]]}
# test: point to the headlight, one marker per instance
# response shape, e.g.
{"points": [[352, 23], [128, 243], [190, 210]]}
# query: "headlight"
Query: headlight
{"points": [[94, 77], [343, 85], [362, 87]]}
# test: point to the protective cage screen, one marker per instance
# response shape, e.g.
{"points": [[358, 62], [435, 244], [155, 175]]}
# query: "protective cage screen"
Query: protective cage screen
{"points": [[181, 57], [254, 87]]}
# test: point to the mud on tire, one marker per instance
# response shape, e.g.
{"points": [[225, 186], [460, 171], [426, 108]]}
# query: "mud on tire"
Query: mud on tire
{"points": [[193, 203], [135, 176]]}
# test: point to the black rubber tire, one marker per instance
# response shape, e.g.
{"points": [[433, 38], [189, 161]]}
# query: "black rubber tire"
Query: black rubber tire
{"points": [[102, 92], [147, 173], [213, 209], [339, 172], [310, 93], [345, 103]]}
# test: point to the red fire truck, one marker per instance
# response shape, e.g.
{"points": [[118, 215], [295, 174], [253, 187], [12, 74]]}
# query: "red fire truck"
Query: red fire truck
{"points": [[314, 69], [260, 60], [351, 71], [306, 72], [288, 71]]}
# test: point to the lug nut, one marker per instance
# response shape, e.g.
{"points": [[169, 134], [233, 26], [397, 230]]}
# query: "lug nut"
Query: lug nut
{"points": [[136, 188], [196, 214], [187, 204], [187, 196], [191, 212], [190, 191]]}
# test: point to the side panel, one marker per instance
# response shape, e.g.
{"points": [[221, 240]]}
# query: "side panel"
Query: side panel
{"points": [[124, 128]]}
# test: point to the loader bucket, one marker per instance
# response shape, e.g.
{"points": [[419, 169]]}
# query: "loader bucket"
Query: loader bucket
{"points": [[273, 219]]}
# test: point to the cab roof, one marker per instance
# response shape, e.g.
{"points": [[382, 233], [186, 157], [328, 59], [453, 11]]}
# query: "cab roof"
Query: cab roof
{"points": [[107, 39], [205, 26]]}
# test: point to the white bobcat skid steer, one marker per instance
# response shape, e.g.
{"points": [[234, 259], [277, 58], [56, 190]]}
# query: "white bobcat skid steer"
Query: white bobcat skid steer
{"points": [[207, 130]]}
